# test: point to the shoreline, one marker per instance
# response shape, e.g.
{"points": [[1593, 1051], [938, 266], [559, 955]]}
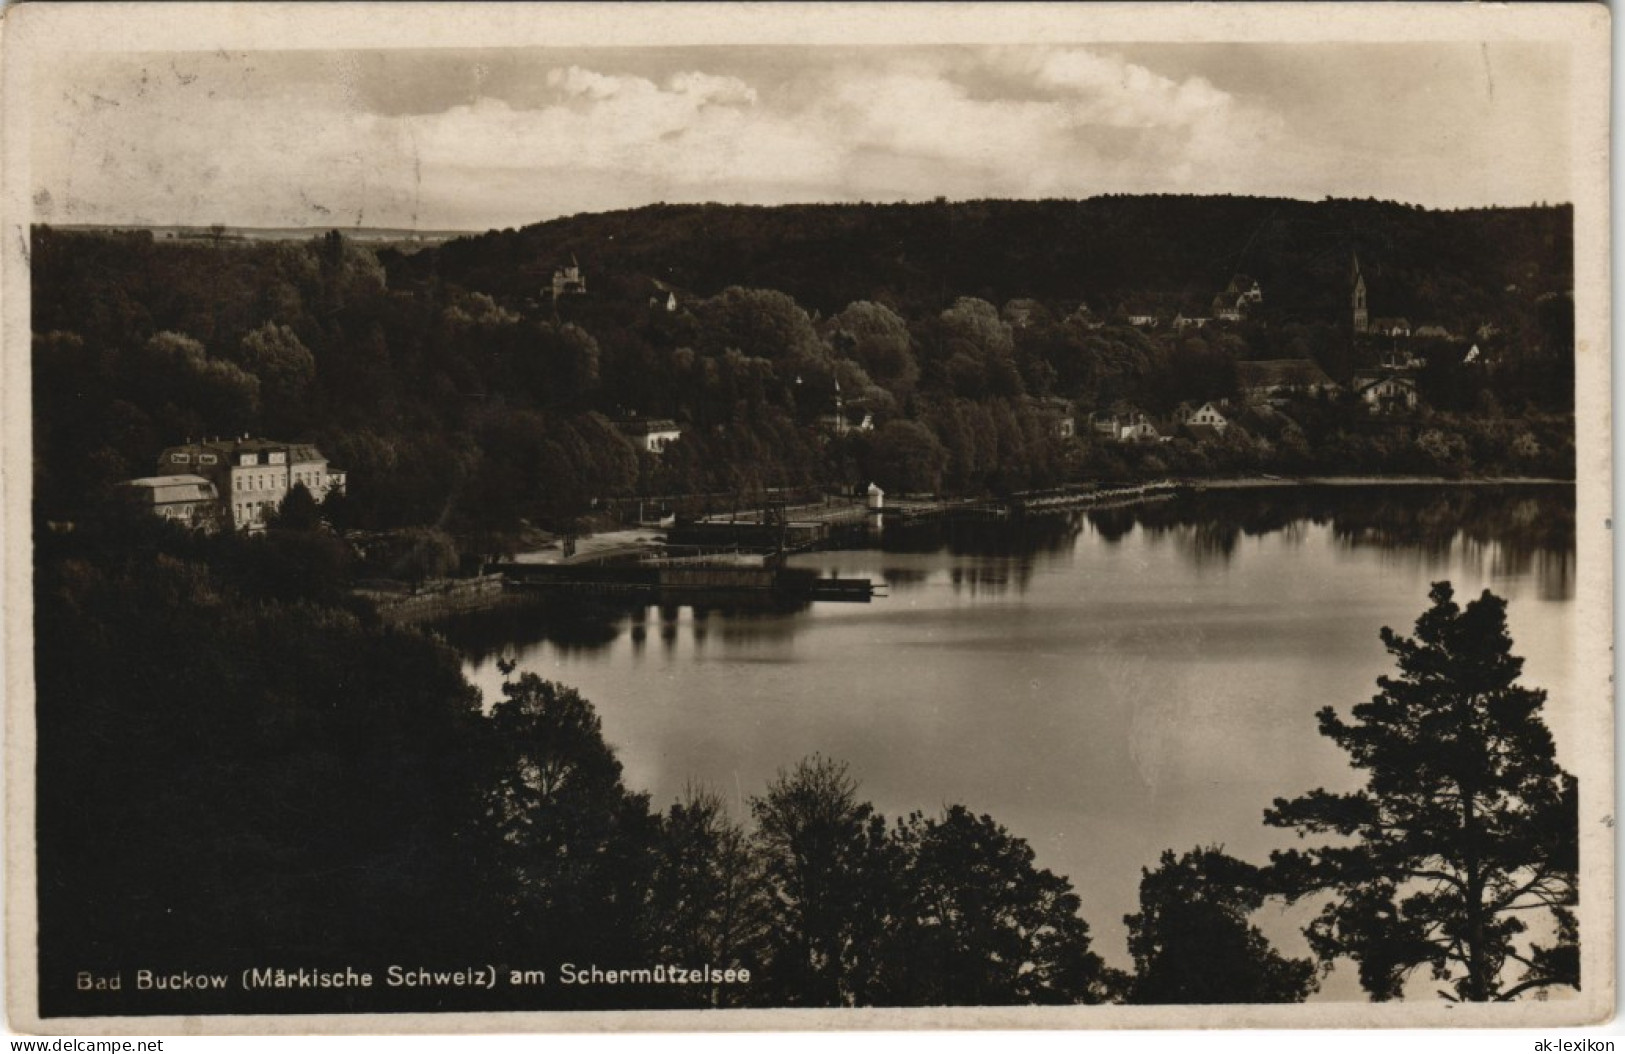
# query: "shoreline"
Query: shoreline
{"points": [[435, 601], [1252, 482]]}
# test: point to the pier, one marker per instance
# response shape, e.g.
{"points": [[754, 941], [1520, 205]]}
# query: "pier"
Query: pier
{"points": [[676, 582]]}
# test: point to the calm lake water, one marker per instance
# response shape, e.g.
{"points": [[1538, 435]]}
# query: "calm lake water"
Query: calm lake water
{"points": [[1106, 685]]}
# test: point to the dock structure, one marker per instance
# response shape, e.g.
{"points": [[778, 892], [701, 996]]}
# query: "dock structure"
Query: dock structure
{"points": [[666, 582], [916, 510], [1094, 497], [749, 535], [792, 529], [798, 528]]}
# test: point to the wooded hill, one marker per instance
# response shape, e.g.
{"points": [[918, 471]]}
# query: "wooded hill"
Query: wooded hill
{"points": [[459, 395], [1113, 253]]}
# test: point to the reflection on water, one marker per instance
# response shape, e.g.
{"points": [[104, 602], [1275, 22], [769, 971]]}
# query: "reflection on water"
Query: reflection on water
{"points": [[1107, 685], [1504, 531], [1497, 532]]}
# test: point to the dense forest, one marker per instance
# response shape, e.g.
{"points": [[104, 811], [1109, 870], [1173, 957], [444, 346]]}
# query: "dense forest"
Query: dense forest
{"points": [[462, 397], [1107, 251]]}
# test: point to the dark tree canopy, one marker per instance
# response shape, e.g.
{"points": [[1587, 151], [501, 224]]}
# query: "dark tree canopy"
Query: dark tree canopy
{"points": [[979, 925], [708, 894], [825, 857], [1192, 943], [571, 842], [1461, 851]]}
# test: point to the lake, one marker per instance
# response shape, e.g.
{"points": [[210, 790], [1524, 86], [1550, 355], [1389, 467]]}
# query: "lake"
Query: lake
{"points": [[1106, 685]]}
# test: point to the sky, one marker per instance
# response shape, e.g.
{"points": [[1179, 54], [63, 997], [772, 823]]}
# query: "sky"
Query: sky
{"points": [[470, 139]]}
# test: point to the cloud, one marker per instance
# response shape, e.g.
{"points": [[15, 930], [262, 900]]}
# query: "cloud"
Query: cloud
{"points": [[695, 129], [276, 140], [1066, 121]]}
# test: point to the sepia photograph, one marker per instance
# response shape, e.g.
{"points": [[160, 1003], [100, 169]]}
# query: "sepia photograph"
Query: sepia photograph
{"points": [[545, 517]]}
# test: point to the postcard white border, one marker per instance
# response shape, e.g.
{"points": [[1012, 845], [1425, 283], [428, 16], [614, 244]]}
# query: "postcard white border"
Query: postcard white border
{"points": [[31, 34]]}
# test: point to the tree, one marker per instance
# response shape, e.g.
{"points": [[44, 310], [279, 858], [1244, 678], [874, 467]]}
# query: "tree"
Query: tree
{"points": [[426, 552], [878, 338], [1192, 943], [202, 393], [300, 785], [298, 511], [286, 370], [707, 894], [828, 879], [570, 844], [979, 925], [1466, 827], [907, 456]]}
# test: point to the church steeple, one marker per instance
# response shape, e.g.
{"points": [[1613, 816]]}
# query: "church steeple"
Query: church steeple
{"points": [[1357, 296]]}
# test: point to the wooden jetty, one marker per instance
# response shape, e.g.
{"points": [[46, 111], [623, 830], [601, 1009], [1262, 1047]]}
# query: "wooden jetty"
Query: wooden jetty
{"points": [[673, 582], [1094, 497], [750, 534], [781, 529]]}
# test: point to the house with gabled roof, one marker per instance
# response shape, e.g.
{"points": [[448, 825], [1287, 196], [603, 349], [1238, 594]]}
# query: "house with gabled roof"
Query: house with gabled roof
{"points": [[1389, 394]]}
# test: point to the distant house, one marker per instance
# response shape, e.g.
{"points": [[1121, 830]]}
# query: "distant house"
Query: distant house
{"points": [[1391, 327], [569, 281], [1389, 395], [1225, 309], [251, 477], [1234, 301], [1104, 423], [1124, 425], [1243, 289], [185, 499], [1207, 416], [668, 296], [652, 434], [1143, 321], [1280, 378], [1431, 332], [1183, 322], [1140, 431], [1199, 422]]}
